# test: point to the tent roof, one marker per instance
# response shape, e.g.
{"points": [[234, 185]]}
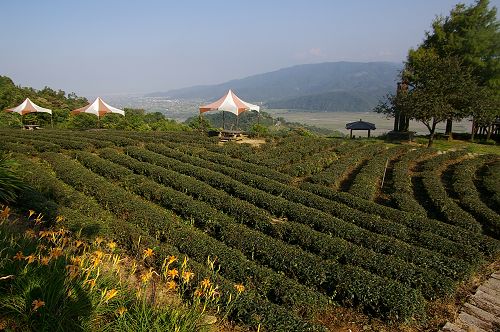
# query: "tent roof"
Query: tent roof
{"points": [[99, 108], [360, 125], [230, 103], [27, 106]]}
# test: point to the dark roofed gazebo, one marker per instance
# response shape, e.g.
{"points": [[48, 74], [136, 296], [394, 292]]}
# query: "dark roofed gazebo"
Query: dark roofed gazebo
{"points": [[360, 125]]}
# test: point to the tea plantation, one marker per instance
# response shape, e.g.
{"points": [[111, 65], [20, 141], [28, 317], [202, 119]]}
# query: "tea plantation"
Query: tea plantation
{"points": [[305, 223]]}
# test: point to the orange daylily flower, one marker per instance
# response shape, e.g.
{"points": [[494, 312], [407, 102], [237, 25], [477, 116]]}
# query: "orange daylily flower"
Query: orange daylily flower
{"points": [[148, 253], [112, 245], [146, 276], [121, 310], [239, 288], [37, 304], [173, 273], [19, 256], [205, 283], [30, 258], [45, 260], [171, 284], [187, 276], [98, 240], [5, 212], [171, 259], [110, 294], [56, 252]]}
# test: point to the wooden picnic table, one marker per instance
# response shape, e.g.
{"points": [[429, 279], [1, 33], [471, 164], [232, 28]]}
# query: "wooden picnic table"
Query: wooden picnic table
{"points": [[229, 135], [31, 127]]}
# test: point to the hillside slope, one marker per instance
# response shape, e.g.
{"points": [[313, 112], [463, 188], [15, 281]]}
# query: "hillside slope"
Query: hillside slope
{"points": [[341, 86]]}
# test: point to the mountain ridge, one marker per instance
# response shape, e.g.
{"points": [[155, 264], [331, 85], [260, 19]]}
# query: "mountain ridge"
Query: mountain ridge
{"points": [[359, 85]]}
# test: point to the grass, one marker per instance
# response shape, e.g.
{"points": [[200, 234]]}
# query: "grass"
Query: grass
{"points": [[444, 145], [51, 280]]}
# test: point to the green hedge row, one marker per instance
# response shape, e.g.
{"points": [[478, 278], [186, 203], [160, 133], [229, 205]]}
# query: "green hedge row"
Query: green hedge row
{"points": [[278, 152], [310, 165], [105, 136], [169, 228], [18, 147], [38, 145], [420, 224], [233, 162], [445, 206], [431, 283], [127, 235], [491, 183], [367, 181], [182, 137], [65, 143], [70, 136], [365, 220], [333, 175], [463, 184], [325, 275], [318, 220], [402, 196]]}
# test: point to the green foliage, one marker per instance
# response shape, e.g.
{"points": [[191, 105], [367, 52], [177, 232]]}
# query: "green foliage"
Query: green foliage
{"points": [[403, 196], [10, 120], [301, 244], [463, 184], [333, 175], [471, 33], [195, 243], [439, 199], [455, 72], [82, 121], [289, 202], [58, 101], [367, 181], [10, 184]]}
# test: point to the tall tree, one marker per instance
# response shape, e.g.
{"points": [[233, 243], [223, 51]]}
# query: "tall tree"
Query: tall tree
{"points": [[439, 88], [472, 34]]}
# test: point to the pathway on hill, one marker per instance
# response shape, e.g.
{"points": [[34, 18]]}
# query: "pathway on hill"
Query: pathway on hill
{"points": [[482, 311]]}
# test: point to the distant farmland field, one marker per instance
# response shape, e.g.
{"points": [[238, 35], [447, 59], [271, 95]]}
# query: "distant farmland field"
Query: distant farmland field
{"points": [[338, 120], [305, 223]]}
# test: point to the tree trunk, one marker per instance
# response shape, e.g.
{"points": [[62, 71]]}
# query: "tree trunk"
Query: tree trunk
{"points": [[431, 136], [449, 129], [473, 131], [488, 132], [402, 122], [396, 121]]}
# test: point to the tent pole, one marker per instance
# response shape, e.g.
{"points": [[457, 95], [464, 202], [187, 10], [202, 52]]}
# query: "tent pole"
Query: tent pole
{"points": [[223, 121], [237, 122]]}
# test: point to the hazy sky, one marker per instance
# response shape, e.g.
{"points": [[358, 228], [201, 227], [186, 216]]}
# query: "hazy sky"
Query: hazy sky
{"points": [[111, 47]]}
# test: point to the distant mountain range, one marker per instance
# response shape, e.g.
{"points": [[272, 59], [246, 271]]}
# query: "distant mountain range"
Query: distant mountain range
{"points": [[328, 87]]}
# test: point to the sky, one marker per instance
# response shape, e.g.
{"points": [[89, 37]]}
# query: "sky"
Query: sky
{"points": [[114, 47]]}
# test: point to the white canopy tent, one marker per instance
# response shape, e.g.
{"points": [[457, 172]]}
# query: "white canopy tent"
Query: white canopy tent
{"points": [[27, 106], [229, 103], [98, 108]]}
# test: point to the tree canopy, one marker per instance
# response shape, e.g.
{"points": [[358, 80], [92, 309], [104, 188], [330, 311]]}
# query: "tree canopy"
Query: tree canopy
{"points": [[454, 73]]}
